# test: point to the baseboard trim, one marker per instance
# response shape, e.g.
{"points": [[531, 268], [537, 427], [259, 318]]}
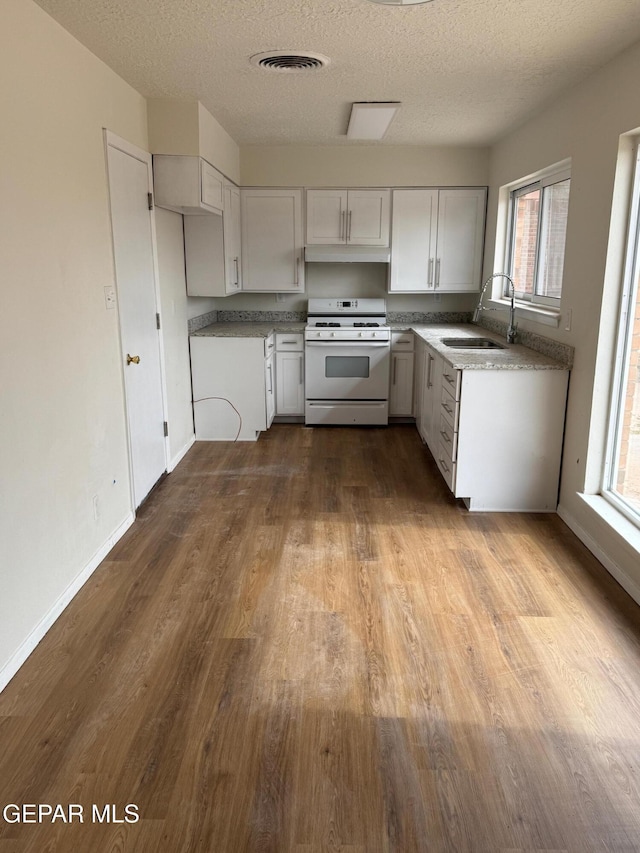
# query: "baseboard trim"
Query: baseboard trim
{"points": [[612, 567], [24, 650], [181, 454]]}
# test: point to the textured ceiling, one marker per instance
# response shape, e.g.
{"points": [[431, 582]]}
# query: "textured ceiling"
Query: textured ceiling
{"points": [[465, 70]]}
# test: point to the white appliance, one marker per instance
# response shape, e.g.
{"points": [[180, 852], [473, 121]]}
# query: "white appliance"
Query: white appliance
{"points": [[347, 357]]}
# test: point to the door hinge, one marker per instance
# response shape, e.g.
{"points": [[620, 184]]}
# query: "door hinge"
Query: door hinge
{"points": [[157, 321], [166, 429], [150, 200]]}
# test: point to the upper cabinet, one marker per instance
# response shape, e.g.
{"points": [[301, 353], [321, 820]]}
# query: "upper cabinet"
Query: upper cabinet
{"points": [[437, 240], [232, 239], [187, 184], [212, 249], [348, 217], [272, 240]]}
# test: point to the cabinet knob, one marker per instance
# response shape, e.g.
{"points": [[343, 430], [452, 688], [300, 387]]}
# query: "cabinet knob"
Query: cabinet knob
{"points": [[133, 359]]}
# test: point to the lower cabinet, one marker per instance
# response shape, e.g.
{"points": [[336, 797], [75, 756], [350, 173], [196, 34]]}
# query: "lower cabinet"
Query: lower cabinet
{"points": [[233, 387], [289, 374], [270, 389], [496, 435], [401, 375]]}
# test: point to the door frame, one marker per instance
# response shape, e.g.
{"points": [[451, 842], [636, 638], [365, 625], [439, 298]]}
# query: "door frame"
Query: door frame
{"points": [[114, 141]]}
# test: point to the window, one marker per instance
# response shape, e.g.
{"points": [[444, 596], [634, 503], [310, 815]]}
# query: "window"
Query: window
{"points": [[622, 470], [538, 227]]}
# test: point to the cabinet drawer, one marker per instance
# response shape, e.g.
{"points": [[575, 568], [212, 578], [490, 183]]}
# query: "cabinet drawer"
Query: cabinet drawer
{"points": [[402, 341], [448, 439], [446, 466], [269, 345], [449, 408], [289, 342], [452, 381]]}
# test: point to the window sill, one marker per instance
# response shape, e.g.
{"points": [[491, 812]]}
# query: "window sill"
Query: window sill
{"points": [[536, 313], [609, 513]]}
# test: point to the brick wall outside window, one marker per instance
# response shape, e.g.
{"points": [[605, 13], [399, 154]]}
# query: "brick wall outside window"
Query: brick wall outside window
{"points": [[628, 475]]}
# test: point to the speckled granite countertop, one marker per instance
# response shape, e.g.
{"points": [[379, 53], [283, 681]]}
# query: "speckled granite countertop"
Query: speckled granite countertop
{"points": [[247, 329], [512, 357]]}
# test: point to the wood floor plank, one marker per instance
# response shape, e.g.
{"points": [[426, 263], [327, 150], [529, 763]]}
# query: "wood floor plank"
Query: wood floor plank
{"points": [[307, 644]]}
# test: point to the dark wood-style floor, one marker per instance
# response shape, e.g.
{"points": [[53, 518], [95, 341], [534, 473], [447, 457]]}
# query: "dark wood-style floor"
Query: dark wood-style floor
{"points": [[306, 644]]}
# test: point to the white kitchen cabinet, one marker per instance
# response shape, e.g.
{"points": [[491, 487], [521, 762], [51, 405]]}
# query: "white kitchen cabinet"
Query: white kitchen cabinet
{"points": [[233, 387], [401, 375], [289, 374], [272, 240], [437, 240], [187, 185], [232, 229], [496, 435], [430, 398], [348, 217], [212, 250], [520, 416], [270, 389]]}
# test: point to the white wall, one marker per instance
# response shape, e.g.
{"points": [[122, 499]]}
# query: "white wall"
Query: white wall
{"points": [[358, 280], [63, 437], [584, 125], [175, 315], [186, 127], [363, 166]]}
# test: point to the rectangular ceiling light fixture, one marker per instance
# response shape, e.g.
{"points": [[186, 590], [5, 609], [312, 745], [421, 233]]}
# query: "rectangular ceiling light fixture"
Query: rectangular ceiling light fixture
{"points": [[371, 119]]}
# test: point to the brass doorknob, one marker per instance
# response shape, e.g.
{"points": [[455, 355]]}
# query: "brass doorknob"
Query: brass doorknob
{"points": [[135, 359]]}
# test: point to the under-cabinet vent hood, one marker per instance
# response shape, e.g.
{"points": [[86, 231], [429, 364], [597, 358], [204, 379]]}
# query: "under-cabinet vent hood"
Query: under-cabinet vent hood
{"points": [[347, 254]]}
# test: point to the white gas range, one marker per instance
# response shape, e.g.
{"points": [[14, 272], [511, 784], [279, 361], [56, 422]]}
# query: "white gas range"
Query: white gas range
{"points": [[347, 355]]}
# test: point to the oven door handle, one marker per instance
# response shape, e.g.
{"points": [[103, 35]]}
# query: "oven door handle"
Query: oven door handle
{"points": [[358, 344]]}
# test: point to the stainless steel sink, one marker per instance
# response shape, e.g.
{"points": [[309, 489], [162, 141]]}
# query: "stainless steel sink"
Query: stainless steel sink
{"points": [[472, 343]]}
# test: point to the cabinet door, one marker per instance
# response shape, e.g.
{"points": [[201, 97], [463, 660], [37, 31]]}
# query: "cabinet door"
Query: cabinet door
{"points": [[413, 240], [368, 217], [270, 390], [435, 402], [326, 217], [461, 217], [401, 391], [232, 254], [211, 186], [272, 240], [290, 383]]}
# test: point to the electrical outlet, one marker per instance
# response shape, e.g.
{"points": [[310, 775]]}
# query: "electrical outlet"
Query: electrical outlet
{"points": [[436, 297], [281, 297], [96, 508], [110, 297]]}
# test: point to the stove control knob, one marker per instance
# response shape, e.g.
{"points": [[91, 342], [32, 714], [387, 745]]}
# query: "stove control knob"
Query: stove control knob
{"points": [[359, 334]]}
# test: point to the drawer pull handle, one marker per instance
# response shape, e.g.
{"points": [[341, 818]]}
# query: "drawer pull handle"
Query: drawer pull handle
{"points": [[445, 436], [448, 378], [444, 465], [289, 342], [447, 409]]}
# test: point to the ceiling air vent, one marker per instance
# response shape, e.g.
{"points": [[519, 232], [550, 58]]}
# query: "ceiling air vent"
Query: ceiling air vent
{"points": [[290, 61]]}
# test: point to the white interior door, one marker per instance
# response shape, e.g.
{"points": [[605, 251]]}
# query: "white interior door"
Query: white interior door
{"points": [[133, 246]]}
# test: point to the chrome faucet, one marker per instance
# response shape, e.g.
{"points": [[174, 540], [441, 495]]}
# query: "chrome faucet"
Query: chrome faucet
{"points": [[512, 329]]}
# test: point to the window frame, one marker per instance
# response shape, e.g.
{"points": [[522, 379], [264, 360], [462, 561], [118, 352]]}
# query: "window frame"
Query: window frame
{"points": [[553, 176], [622, 352]]}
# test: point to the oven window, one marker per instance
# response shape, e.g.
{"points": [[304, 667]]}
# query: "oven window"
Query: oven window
{"points": [[346, 367]]}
